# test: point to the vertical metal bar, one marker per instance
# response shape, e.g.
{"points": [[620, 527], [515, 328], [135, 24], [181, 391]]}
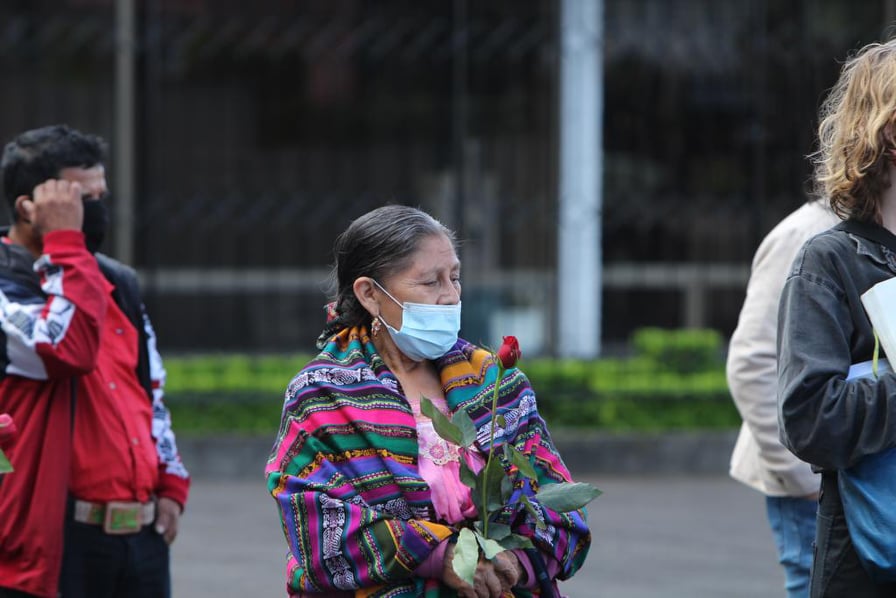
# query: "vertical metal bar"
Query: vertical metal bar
{"points": [[581, 167], [459, 113], [123, 148], [759, 124]]}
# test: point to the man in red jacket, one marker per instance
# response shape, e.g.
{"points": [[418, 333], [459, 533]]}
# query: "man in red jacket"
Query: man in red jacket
{"points": [[98, 486]]}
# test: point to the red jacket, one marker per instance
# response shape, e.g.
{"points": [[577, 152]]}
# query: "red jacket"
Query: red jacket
{"points": [[50, 335]]}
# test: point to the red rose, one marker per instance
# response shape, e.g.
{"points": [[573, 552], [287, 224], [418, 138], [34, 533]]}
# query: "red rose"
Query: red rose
{"points": [[7, 431], [509, 353]]}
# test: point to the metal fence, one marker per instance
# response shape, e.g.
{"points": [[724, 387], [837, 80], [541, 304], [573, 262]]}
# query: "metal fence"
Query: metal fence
{"points": [[263, 128]]}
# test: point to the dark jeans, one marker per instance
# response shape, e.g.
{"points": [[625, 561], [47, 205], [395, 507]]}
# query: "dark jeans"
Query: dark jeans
{"points": [[4, 593], [836, 569], [99, 565]]}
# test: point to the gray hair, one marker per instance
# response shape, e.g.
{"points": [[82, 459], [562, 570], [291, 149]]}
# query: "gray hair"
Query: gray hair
{"points": [[377, 244]]}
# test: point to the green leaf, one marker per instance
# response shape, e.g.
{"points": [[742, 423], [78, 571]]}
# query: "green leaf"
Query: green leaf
{"points": [[494, 476], [440, 423], [515, 541], [5, 465], [476, 491], [515, 456], [466, 555], [489, 547], [567, 496], [539, 523], [501, 421], [466, 427], [467, 477], [498, 531], [506, 489]]}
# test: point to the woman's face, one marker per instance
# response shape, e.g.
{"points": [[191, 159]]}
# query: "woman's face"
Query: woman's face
{"points": [[433, 277]]}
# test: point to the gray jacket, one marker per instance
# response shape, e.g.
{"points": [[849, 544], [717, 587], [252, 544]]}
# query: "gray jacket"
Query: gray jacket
{"points": [[822, 330]]}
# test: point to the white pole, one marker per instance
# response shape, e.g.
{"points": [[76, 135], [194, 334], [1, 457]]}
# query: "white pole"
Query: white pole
{"points": [[123, 183], [579, 235]]}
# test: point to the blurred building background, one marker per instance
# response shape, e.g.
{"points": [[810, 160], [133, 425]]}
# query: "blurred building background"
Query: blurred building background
{"points": [[254, 132]]}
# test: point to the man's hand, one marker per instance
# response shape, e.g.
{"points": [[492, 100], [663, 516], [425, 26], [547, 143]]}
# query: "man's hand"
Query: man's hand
{"points": [[167, 516], [55, 205]]}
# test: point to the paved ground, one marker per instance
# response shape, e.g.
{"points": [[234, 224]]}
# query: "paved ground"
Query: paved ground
{"points": [[670, 537]]}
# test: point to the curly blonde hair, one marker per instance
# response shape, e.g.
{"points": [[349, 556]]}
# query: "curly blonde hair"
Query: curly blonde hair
{"points": [[856, 134]]}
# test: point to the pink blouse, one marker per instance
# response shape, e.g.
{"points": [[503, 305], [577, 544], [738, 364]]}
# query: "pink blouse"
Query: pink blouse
{"points": [[439, 463]]}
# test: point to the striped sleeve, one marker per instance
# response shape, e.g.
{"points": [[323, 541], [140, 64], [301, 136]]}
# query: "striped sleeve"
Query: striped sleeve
{"points": [[343, 474], [55, 332], [174, 480]]}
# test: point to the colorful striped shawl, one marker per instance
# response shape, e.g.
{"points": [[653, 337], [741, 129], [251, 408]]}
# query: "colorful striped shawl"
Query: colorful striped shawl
{"points": [[355, 511]]}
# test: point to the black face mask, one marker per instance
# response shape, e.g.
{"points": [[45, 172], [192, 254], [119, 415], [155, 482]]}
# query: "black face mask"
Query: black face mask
{"points": [[96, 223]]}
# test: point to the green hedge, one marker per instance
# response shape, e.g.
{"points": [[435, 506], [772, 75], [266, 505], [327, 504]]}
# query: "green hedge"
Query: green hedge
{"points": [[231, 373], [674, 379], [228, 393]]}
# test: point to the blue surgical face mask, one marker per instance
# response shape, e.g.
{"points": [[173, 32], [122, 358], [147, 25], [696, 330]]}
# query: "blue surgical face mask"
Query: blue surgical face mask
{"points": [[427, 331]]}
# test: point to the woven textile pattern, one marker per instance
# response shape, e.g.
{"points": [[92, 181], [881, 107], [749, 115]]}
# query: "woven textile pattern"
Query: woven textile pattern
{"points": [[355, 511]]}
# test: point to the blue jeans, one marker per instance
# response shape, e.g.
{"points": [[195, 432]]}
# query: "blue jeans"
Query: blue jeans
{"points": [[793, 525]]}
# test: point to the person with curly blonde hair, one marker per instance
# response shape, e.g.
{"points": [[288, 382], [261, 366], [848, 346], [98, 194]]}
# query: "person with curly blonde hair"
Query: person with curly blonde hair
{"points": [[857, 135], [829, 416]]}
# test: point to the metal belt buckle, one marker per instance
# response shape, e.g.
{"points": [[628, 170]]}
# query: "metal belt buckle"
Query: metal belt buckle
{"points": [[123, 518]]}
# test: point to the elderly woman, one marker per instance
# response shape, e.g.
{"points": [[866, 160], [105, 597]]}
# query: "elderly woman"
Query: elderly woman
{"points": [[828, 417], [369, 495]]}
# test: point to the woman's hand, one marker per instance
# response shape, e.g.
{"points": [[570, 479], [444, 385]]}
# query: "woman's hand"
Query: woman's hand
{"points": [[508, 568], [492, 579]]}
